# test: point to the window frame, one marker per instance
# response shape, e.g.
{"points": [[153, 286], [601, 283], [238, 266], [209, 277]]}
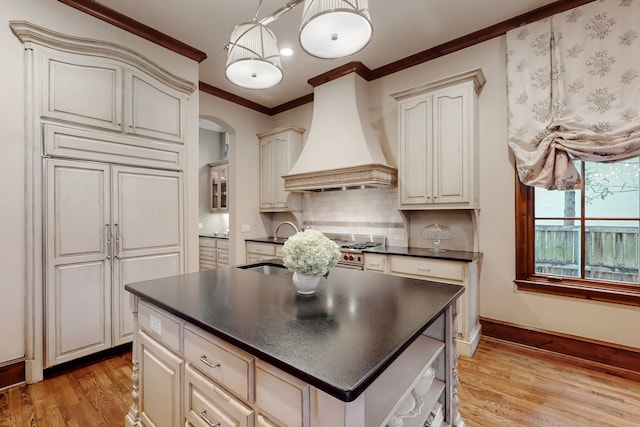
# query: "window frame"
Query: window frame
{"points": [[528, 280]]}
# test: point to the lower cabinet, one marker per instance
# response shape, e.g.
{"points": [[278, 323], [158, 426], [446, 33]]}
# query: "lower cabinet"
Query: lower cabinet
{"points": [[160, 372], [185, 376], [463, 273], [257, 251], [214, 252]]}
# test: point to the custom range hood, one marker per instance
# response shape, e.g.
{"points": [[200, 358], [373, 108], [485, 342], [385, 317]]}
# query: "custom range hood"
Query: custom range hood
{"points": [[341, 150]]}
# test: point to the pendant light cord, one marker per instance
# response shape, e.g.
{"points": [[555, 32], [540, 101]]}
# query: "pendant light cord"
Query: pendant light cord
{"points": [[255, 18]]}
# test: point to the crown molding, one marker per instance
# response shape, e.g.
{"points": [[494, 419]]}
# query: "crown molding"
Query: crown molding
{"points": [[104, 13], [126, 23]]}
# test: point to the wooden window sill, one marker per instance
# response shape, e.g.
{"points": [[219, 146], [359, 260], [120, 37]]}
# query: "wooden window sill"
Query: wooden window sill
{"points": [[618, 293]]}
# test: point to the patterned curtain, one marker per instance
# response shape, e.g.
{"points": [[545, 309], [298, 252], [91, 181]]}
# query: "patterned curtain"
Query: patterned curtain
{"points": [[573, 83]]}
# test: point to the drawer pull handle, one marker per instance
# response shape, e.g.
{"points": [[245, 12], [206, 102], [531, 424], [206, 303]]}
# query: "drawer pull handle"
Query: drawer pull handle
{"points": [[203, 415], [204, 360], [425, 270], [375, 264]]}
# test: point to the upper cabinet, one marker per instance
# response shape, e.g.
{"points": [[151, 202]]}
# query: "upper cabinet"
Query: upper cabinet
{"points": [[219, 186], [437, 153], [108, 94], [279, 149]]}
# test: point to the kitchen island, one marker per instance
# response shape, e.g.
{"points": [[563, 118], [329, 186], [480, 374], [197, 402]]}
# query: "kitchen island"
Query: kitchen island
{"points": [[240, 347]]}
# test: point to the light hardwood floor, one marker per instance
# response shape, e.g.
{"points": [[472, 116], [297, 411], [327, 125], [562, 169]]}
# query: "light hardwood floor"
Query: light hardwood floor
{"points": [[502, 385]]}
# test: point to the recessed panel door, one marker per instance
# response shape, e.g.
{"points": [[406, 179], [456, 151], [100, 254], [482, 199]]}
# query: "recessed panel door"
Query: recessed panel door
{"points": [[78, 264], [148, 234]]}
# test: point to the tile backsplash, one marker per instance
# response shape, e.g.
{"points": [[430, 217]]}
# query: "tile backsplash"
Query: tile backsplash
{"points": [[361, 211], [374, 211]]}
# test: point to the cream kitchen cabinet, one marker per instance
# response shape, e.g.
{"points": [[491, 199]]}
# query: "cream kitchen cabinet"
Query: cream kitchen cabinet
{"points": [[464, 273], [219, 186], [279, 149], [107, 225], [437, 152], [207, 253], [214, 252], [258, 251], [109, 94]]}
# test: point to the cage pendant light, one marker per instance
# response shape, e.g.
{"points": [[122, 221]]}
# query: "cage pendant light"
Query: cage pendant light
{"points": [[335, 28], [253, 60]]}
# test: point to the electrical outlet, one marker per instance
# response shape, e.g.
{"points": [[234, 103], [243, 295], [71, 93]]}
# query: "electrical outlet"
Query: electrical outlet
{"points": [[156, 324], [246, 228]]}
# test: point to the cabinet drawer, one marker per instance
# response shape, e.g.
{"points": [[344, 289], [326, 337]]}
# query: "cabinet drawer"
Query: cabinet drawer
{"points": [[375, 262], [223, 257], [279, 251], [222, 244], [206, 403], [280, 395], [208, 254], [222, 362], [207, 242], [261, 248], [161, 325], [428, 268]]}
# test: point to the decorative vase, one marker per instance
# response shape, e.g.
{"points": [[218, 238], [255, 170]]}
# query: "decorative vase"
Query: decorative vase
{"points": [[305, 284]]}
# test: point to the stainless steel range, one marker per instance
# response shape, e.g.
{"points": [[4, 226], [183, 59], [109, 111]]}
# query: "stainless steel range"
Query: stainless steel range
{"points": [[351, 246]]}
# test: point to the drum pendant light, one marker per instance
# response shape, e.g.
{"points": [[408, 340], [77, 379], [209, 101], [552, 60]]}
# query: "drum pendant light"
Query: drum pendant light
{"points": [[335, 28], [253, 60]]}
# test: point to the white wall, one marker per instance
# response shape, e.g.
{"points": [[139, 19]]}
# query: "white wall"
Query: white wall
{"points": [[499, 299], [211, 149], [56, 16], [242, 125]]}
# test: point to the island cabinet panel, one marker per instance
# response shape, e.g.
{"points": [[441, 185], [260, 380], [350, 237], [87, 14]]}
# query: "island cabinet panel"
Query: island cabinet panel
{"points": [[227, 365], [160, 389], [207, 404], [160, 325], [283, 398]]}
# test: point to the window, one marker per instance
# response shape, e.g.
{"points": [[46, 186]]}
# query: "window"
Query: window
{"points": [[582, 243]]}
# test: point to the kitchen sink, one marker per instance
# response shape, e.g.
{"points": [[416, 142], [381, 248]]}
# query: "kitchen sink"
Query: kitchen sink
{"points": [[266, 268]]}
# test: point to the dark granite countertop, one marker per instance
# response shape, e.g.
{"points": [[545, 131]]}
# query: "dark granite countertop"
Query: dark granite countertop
{"points": [[426, 253], [396, 250], [338, 340], [278, 241], [214, 237]]}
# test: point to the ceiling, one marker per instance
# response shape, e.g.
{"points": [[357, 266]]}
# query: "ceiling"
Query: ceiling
{"points": [[400, 28]]}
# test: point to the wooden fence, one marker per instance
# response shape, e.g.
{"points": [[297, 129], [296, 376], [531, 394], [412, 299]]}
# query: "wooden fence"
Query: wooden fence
{"points": [[611, 253]]}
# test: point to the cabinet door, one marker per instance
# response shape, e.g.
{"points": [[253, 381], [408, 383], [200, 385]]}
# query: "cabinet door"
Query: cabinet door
{"points": [[266, 174], [153, 108], [214, 189], [451, 144], [82, 89], [78, 268], [224, 188], [160, 388], [415, 151], [280, 165], [148, 235]]}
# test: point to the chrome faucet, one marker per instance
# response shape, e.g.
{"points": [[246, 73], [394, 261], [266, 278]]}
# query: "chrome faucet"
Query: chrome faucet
{"points": [[275, 235]]}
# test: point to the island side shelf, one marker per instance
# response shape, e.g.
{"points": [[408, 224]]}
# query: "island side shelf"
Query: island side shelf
{"points": [[241, 348]]}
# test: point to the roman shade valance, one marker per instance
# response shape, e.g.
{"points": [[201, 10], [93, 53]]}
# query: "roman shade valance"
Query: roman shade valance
{"points": [[573, 83]]}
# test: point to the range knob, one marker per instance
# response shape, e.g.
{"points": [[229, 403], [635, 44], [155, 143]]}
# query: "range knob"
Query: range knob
{"points": [[350, 257], [345, 257]]}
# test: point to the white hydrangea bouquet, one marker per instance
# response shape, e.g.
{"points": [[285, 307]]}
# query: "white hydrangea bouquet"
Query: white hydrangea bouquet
{"points": [[310, 252]]}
